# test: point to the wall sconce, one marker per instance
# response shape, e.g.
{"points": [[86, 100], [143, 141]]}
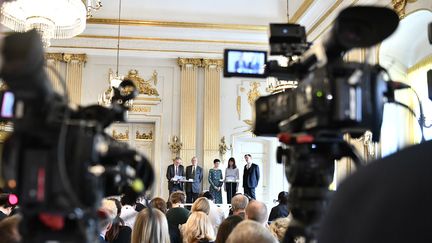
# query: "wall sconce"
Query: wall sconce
{"points": [[175, 146]]}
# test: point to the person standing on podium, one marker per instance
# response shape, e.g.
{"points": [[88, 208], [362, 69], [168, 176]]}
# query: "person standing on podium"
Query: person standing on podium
{"points": [[231, 179], [194, 175], [174, 174]]}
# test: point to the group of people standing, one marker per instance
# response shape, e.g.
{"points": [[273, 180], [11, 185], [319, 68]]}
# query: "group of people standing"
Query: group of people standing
{"points": [[190, 179]]}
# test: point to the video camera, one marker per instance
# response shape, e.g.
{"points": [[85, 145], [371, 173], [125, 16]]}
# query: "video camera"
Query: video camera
{"points": [[333, 97], [58, 160]]}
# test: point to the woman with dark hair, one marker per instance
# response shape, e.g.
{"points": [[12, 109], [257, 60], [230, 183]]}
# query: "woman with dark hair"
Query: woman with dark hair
{"points": [[215, 180], [231, 179], [226, 227], [118, 232], [281, 210], [159, 203]]}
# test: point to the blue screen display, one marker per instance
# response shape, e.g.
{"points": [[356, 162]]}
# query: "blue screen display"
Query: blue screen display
{"points": [[246, 62]]}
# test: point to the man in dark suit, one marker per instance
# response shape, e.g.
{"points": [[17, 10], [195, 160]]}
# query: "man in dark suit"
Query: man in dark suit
{"points": [[193, 189], [251, 175], [175, 171]]}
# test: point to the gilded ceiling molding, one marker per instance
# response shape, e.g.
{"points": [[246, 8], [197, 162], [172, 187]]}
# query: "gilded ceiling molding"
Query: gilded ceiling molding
{"points": [[145, 38], [66, 57], [134, 49], [301, 10], [218, 63], [195, 62], [173, 24]]}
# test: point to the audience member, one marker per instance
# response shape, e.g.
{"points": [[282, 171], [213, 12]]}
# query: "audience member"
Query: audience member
{"points": [[280, 210], [108, 211], [279, 226], [201, 205], [226, 228], [9, 230], [150, 226], [257, 211], [118, 232], [249, 231], [159, 203], [5, 207], [198, 228], [216, 214], [238, 205], [176, 216], [128, 212]]}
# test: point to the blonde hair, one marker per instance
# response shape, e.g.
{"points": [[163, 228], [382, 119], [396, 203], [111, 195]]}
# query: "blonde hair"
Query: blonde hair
{"points": [[198, 227], [150, 226], [201, 205], [279, 226]]}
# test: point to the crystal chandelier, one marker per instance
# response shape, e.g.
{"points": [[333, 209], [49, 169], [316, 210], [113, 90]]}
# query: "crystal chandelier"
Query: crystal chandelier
{"points": [[58, 19]]}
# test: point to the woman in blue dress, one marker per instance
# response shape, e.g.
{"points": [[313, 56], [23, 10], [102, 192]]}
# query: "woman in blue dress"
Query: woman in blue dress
{"points": [[215, 180]]}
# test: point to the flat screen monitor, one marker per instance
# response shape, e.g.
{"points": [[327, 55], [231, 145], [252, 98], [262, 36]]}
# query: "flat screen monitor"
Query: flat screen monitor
{"points": [[244, 63]]}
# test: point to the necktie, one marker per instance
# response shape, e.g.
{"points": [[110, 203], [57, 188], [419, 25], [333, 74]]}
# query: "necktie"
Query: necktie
{"points": [[193, 171], [176, 171]]}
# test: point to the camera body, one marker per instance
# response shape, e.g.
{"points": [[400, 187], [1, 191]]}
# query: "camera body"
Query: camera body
{"points": [[58, 160]]}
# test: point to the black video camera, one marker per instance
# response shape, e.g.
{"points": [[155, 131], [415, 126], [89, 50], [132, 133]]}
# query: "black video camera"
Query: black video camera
{"points": [[58, 160], [333, 97]]}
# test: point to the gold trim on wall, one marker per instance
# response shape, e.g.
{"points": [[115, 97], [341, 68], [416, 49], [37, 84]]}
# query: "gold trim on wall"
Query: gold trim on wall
{"points": [[207, 63], [136, 49], [423, 62], [142, 109], [142, 38], [324, 17], [66, 57], [174, 24], [301, 10], [196, 62]]}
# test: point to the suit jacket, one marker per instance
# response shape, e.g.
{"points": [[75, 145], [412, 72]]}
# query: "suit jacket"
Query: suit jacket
{"points": [[171, 173], [251, 176], [195, 186]]}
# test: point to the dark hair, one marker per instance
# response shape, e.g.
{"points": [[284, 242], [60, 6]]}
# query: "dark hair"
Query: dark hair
{"points": [[216, 160], [127, 200], [159, 203], [226, 227], [234, 164], [9, 229], [114, 231], [283, 197], [177, 197], [208, 195], [248, 155]]}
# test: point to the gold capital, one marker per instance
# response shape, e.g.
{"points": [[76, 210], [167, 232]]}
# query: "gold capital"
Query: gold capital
{"points": [[207, 63], [196, 62]]}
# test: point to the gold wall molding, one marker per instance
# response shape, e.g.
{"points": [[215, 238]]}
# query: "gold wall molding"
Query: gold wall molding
{"points": [[144, 86], [66, 57], [142, 109], [399, 7], [254, 93], [423, 62], [135, 49], [143, 38], [301, 10], [174, 24], [120, 136], [217, 63], [144, 136], [195, 62]]}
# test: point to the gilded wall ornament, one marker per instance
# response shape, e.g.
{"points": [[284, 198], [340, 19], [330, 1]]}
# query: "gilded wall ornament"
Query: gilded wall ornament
{"points": [[144, 86], [207, 63], [144, 136], [120, 136], [195, 62], [253, 93], [175, 146], [143, 109], [66, 57], [400, 5]]}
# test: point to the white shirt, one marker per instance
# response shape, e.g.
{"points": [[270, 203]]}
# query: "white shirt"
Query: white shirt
{"points": [[216, 216]]}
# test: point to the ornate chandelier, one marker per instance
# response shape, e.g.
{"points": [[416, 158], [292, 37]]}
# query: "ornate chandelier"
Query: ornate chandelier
{"points": [[58, 19]]}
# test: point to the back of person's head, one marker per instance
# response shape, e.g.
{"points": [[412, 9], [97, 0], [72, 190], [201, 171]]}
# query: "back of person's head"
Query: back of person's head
{"points": [[177, 197], [208, 195], [257, 211], [279, 226], [9, 229], [127, 200], [226, 227], [283, 197], [239, 202], [114, 230], [159, 203], [249, 231], [201, 205], [150, 226], [198, 228], [109, 208]]}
